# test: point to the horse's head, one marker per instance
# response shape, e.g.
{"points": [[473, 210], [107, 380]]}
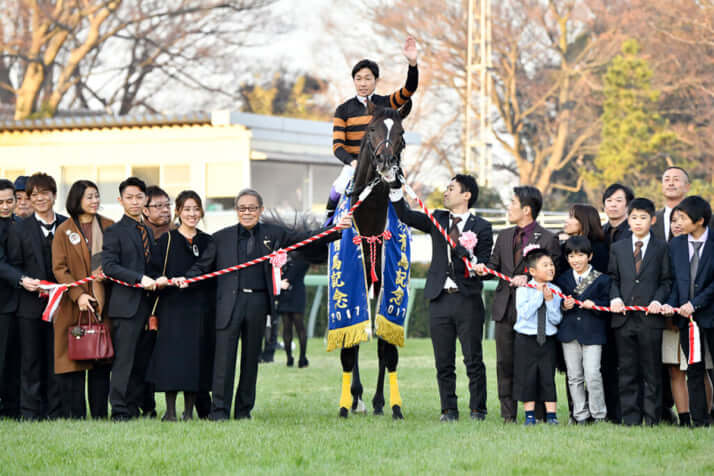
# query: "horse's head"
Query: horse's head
{"points": [[384, 139]]}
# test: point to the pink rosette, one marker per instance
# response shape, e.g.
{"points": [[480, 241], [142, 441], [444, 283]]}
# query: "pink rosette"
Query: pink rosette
{"points": [[468, 240]]}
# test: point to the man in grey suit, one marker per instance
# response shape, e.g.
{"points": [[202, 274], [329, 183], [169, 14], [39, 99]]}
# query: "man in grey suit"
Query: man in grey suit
{"points": [[508, 258]]}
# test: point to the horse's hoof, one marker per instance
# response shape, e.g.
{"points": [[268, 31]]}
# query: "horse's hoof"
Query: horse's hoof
{"points": [[344, 413], [359, 406], [397, 413], [379, 411]]}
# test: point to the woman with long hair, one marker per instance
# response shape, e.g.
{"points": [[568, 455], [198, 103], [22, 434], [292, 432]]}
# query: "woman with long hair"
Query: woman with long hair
{"points": [[182, 358], [584, 220], [76, 254]]}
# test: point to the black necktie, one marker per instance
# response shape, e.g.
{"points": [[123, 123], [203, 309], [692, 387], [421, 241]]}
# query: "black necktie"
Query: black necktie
{"points": [[49, 228], [540, 338], [145, 242], [638, 256], [693, 266], [250, 244]]}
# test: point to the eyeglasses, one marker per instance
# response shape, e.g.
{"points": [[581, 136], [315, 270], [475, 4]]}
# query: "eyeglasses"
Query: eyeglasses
{"points": [[160, 206], [250, 209]]}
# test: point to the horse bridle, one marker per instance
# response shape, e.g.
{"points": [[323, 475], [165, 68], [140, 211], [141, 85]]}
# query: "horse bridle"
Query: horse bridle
{"points": [[373, 151]]}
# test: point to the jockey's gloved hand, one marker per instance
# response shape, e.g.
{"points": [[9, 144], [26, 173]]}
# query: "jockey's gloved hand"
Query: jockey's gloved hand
{"points": [[460, 252]]}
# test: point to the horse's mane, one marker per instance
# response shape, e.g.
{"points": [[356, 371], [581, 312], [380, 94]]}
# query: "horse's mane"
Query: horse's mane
{"points": [[299, 222]]}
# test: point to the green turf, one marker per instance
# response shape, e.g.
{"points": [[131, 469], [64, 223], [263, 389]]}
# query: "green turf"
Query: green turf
{"points": [[295, 430]]}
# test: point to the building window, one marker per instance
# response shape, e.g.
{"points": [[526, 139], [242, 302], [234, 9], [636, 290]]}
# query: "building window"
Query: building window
{"points": [[72, 173], [150, 175], [221, 179], [282, 185], [108, 179], [177, 178]]}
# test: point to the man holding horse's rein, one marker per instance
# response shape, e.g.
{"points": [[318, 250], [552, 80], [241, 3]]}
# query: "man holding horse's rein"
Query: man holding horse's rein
{"points": [[351, 117]]}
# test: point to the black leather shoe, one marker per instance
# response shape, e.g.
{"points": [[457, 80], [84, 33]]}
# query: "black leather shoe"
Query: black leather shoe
{"points": [[449, 416], [243, 417], [477, 415], [120, 417], [217, 416], [509, 420]]}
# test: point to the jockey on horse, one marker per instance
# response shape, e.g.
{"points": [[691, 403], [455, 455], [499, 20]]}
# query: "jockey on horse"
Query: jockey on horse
{"points": [[349, 127]]}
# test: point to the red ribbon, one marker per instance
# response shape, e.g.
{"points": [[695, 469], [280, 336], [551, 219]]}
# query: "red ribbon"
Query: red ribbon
{"points": [[373, 241]]}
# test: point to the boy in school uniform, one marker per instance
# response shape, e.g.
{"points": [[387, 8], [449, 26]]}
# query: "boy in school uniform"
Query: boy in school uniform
{"points": [[693, 292], [583, 331], [535, 353], [641, 276]]}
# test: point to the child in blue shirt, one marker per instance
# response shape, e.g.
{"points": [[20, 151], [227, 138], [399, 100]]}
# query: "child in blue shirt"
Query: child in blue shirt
{"points": [[535, 345]]}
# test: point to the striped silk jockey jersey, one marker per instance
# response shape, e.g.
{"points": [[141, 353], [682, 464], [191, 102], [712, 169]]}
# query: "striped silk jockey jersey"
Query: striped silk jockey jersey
{"points": [[351, 118]]}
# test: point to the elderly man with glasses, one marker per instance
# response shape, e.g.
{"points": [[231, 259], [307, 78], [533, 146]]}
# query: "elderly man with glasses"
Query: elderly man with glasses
{"points": [[244, 298]]}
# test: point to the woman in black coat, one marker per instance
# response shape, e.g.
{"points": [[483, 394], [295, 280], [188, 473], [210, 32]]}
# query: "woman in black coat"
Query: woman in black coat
{"points": [[291, 306], [584, 220], [181, 356]]}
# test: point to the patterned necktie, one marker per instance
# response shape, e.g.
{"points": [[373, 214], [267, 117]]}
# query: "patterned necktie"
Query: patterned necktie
{"points": [[693, 266], [145, 241], [638, 256], [540, 337], [518, 247], [454, 230]]}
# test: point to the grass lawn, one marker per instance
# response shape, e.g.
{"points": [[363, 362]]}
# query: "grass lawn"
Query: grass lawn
{"points": [[295, 429]]}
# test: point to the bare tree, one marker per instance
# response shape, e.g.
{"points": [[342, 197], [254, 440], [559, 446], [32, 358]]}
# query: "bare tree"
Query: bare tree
{"points": [[120, 54]]}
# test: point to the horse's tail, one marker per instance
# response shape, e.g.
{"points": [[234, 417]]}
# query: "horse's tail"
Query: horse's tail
{"points": [[299, 222]]}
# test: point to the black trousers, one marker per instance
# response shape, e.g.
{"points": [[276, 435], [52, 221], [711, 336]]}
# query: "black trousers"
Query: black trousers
{"points": [[9, 366], [132, 342], [505, 338], [696, 374], [455, 316], [610, 377], [639, 349], [72, 384], [147, 399], [40, 394], [248, 324]]}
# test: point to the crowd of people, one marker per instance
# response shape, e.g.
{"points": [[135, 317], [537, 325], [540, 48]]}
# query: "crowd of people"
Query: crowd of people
{"points": [[622, 366], [170, 336], [165, 338]]}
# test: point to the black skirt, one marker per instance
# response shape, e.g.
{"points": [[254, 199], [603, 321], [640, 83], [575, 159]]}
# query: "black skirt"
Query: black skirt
{"points": [[534, 369]]}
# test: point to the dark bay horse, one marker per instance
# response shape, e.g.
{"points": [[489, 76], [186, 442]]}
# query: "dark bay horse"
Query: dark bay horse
{"points": [[378, 162]]}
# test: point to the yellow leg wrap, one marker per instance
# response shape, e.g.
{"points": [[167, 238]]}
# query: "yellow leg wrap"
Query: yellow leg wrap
{"points": [[345, 396], [394, 397]]}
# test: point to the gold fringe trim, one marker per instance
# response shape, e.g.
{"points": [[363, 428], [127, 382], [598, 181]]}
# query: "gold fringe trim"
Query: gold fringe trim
{"points": [[346, 337], [389, 331]]}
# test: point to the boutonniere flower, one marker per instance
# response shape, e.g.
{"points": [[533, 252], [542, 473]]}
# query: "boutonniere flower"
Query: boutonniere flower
{"points": [[468, 240], [529, 248]]}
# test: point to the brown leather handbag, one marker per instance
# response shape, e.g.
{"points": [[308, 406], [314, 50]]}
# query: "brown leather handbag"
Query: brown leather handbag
{"points": [[90, 340]]}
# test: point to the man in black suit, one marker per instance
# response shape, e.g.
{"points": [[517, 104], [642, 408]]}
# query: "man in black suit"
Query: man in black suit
{"points": [[615, 200], [244, 299], [693, 293], [455, 304], [126, 254], [508, 258], [9, 328], [30, 251], [675, 186], [641, 276]]}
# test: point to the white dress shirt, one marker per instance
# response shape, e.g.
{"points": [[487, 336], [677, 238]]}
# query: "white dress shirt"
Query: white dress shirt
{"points": [[45, 231], [702, 239], [667, 217]]}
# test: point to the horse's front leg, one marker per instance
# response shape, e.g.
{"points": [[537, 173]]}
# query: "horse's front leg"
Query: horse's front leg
{"points": [[378, 400], [390, 357], [356, 389], [351, 394]]}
